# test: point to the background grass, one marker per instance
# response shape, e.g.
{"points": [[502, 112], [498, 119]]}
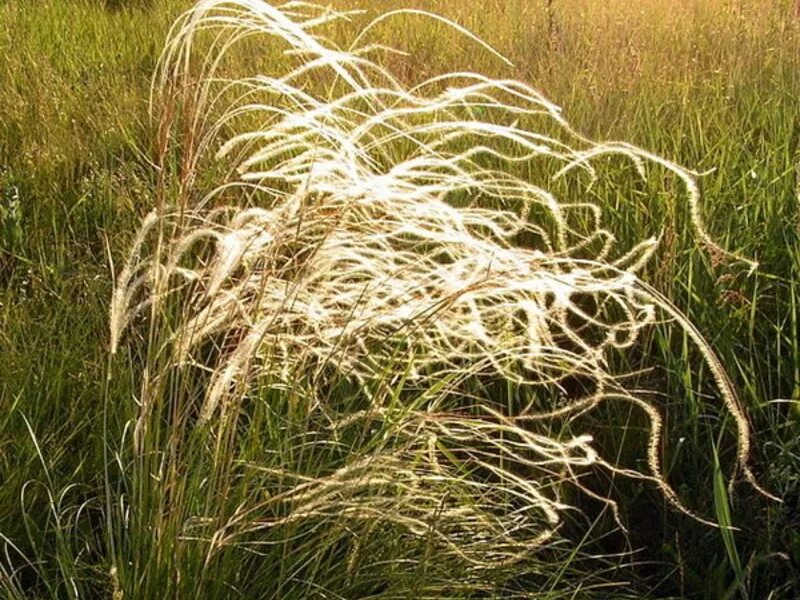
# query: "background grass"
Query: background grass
{"points": [[713, 84]]}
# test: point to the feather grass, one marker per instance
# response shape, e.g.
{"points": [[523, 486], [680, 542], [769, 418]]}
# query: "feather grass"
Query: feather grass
{"points": [[379, 237]]}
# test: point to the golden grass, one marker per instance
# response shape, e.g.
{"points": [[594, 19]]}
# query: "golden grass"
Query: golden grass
{"points": [[379, 233]]}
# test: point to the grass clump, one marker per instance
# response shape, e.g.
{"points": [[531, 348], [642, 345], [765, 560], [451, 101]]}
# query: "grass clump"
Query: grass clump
{"points": [[379, 238]]}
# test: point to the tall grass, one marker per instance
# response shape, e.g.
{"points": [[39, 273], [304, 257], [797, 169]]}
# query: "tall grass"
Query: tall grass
{"points": [[319, 442], [380, 237]]}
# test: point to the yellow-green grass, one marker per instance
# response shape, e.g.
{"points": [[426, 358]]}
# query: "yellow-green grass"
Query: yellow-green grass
{"points": [[708, 84]]}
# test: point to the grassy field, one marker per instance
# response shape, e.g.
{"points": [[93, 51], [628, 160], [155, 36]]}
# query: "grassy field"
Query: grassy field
{"points": [[712, 85]]}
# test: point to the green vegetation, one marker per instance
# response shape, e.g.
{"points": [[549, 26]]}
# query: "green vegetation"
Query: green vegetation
{"points": [[110, 488]]}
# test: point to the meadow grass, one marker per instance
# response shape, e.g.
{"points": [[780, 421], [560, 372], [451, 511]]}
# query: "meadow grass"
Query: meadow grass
{"points": [[710, 85]]}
